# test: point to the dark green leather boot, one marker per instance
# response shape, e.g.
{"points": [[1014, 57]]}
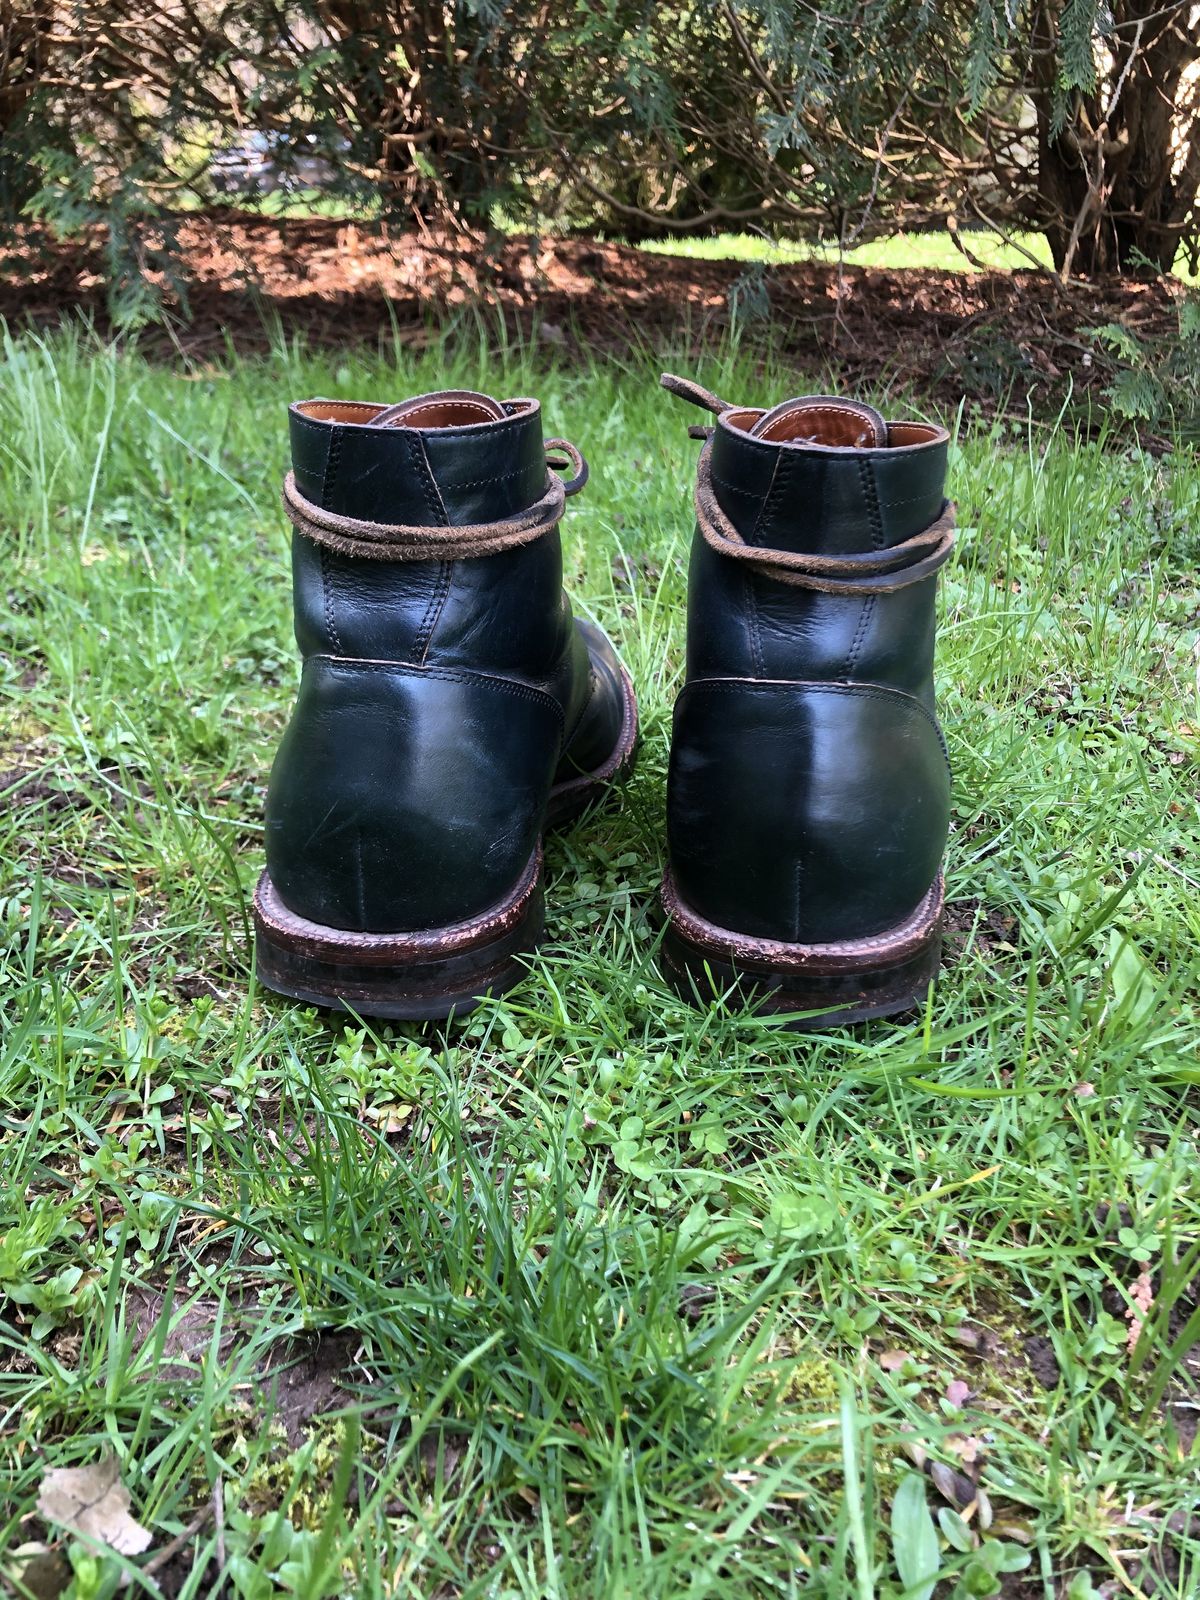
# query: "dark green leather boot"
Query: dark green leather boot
{"points": [[450, 708], [809, 792]]}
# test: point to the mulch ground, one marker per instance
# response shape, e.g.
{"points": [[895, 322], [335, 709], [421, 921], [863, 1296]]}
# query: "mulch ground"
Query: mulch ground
{"points": [[984, 334]]}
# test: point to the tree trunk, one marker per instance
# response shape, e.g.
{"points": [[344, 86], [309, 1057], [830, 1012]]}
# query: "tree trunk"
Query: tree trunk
{"points": [[1108, 199]]}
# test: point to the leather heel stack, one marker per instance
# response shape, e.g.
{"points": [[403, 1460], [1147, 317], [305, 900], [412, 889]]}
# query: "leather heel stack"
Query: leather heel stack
{"points": [[418, 976], [838, 983]]}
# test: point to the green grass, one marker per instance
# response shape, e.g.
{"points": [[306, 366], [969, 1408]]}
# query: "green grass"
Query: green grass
{"points": [[628, 1299], [933, 251], [930, 251]]}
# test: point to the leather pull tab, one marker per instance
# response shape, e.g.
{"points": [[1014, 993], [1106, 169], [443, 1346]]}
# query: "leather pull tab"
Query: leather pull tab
{"points": [[445, 408], [561, 454], [696, 393], [823, 419]]}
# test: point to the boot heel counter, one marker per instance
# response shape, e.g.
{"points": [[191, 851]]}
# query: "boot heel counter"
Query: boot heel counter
{"points": [[805, 812], [406, 798]]}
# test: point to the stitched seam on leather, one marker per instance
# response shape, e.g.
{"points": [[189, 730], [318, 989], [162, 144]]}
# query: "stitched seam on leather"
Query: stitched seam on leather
{"points": [[873, 691], [342, 405], [755, 623], [912, 500], [779, 475], [327, 596], [441, 588], [429, 488], [440, 405], [504, 425], [870, 494], [333, 457], [408, 669], [872, 452], [481, 483], [750, 494], [813, 411]]}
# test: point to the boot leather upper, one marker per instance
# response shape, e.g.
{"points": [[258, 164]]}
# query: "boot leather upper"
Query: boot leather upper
{"points": [[440, 699], [808, 796]]}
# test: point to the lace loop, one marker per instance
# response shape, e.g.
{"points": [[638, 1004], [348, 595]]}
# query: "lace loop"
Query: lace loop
{"points": [[876, 572], [398, 541]]}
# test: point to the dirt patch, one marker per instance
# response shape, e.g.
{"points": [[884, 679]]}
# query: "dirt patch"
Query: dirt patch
{"points": [[1043, 1363], [945, 334], [308, 1380], [983, 928], [296, 1381]]}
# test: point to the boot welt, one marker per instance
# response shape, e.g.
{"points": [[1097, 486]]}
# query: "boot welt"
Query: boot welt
{"points": [[438, 972], [841, 982], [573, 796]]}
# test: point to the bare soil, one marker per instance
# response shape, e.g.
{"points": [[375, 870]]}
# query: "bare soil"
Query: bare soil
{"points": [[986, 335]]}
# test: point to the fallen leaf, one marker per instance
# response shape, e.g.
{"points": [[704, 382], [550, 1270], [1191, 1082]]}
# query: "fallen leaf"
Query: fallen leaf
{"points": [[958, 1393], [893, 1360], [954, 1487], [93, 1501], [974, 1337]]}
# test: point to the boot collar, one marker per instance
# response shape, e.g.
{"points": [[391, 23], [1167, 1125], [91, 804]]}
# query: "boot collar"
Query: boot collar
{"points": [[797, 476], [440, 459]]}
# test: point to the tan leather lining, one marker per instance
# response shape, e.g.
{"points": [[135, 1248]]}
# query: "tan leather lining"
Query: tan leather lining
{"points": [[446, 414], [836, 425], [339, 410], [907, 433], [455, 411]]}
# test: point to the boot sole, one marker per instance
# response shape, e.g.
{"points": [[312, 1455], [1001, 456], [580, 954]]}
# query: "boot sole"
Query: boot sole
{"points": [[845, 982], [438, 972]]}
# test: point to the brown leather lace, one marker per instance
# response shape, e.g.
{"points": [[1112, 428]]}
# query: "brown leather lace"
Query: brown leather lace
{"points": [[876, 572], [398, 541]]}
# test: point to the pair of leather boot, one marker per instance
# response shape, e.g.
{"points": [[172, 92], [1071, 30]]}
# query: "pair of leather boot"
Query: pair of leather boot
{"points": [[451, 709]]}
